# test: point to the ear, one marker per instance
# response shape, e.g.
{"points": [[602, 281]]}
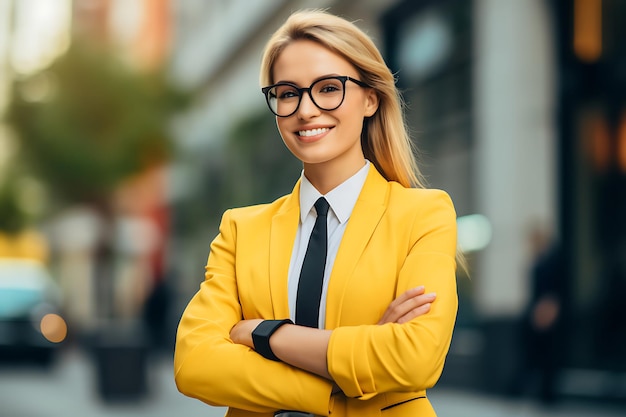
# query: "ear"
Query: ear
{"points": [[371, 102]]}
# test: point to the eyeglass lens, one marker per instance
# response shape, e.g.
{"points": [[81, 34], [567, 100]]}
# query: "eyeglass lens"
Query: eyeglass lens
{"points": [[327, 94]]}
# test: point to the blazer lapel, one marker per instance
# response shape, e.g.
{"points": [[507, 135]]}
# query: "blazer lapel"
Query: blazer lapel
{"points": [[282, 237], [367, 212]]}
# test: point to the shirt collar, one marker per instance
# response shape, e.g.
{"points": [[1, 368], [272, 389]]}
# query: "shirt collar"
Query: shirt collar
{"points": [[341, 199]]}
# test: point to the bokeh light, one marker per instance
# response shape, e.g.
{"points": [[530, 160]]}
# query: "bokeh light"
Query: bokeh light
{"points": [[53, 328], [474, 232]]}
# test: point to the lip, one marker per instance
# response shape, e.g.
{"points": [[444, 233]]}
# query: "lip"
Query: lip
{"points": [[313, 138]]}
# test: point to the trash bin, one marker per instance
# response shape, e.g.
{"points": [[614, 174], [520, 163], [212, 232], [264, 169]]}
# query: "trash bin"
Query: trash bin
{"points": [[121, 361]]}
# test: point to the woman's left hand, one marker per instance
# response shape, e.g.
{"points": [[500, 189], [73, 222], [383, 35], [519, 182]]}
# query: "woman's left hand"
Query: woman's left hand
{"points": [[409, 305], [241, 333]]}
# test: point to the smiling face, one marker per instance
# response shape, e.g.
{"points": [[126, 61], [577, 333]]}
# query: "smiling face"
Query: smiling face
{"points": [[327, 142]]}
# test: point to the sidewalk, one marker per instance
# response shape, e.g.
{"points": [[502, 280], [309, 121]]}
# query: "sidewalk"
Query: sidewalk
{"points": [[459, 403]]}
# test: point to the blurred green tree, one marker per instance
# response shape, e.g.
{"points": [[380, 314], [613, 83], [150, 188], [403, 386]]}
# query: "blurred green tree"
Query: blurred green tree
{"points": [[13, 218], [89, 121]]}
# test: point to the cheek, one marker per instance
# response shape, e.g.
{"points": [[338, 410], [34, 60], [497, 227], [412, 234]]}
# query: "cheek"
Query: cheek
{"points": [[354, 113], [353, 123]]}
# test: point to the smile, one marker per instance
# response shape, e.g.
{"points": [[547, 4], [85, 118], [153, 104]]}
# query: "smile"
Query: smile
{"points": [[313, 132]]}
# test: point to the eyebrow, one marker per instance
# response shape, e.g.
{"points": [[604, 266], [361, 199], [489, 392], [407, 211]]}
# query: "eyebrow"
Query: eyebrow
{"points": [[314, 80]]}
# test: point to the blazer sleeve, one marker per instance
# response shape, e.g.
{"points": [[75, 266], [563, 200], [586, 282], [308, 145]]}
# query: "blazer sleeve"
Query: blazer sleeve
{"points": [[210, 367], [368, 360]]}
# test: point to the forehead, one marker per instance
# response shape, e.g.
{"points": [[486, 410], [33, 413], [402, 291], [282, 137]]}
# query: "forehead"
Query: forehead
{"points": [[303, 61]]}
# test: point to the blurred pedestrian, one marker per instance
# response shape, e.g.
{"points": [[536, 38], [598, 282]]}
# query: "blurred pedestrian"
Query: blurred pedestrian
{"points": [[368, 333], [542, 320]]}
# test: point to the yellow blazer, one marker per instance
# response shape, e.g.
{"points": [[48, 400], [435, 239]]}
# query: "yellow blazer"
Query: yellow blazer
{"points": [[397, 238]]}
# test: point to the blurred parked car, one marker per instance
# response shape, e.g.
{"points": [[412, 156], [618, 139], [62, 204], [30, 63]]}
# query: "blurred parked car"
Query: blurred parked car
{"points": [[32, 327]]}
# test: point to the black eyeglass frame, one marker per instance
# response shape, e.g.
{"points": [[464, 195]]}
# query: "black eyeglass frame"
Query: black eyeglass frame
{"points": [[342, 78]]}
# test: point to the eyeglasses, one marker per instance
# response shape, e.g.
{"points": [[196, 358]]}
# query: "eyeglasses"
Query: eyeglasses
{"points": [[326, 93]]}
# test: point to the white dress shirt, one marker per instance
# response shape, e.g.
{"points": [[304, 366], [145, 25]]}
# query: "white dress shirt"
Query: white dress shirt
{"points": [[341, 200]]}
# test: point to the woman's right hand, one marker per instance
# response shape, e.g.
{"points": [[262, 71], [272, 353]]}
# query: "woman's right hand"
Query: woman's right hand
{"points": [[410, 304]]}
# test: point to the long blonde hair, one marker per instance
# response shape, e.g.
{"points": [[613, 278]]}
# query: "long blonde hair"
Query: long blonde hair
{"points": [[385, 139]]}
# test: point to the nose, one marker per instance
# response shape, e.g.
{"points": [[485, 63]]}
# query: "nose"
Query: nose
{"points": [[307, 108]]}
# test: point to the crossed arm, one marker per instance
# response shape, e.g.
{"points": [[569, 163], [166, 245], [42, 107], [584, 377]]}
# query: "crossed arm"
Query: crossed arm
{"points": [[305, 347]]}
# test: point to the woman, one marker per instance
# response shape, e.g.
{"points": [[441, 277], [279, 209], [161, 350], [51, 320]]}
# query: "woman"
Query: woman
{"points": [[379, 340]]}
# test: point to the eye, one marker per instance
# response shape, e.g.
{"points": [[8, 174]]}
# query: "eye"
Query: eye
{"points": [[288, 94], [330, 89], [329, 86], [285, 92]]}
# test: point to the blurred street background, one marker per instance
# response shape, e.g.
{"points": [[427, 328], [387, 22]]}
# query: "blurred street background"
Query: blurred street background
{"points": [[128, 126]]}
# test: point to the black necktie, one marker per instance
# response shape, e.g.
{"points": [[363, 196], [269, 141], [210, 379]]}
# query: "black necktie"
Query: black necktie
{"points": [[312, 273]]}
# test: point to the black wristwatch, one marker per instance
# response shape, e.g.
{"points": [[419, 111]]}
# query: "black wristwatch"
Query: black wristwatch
{"points": [[261, 337]]}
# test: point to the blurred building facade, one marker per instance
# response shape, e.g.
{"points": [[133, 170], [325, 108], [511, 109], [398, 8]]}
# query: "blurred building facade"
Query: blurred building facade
{"points": [[518, 108], [591, 124]]}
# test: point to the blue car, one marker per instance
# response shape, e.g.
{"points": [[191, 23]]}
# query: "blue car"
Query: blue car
{"points": [[32, 327]]}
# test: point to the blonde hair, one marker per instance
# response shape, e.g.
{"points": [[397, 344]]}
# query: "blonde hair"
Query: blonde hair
{"points": [[385, 139]]}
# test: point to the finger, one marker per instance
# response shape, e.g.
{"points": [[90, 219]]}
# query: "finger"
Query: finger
{"points": [[407, 295], [416, 312], [413, 303], [411, 308], [395, 312], [403, 304], [410, 293]]}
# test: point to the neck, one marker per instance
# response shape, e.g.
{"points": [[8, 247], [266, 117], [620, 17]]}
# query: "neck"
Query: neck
{"points": [[326, 177]]}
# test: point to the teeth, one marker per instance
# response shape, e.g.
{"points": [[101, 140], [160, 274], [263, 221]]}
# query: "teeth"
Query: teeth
{"points": [[313, 132]]}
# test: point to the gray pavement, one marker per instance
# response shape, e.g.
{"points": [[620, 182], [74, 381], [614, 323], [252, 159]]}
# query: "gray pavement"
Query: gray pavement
{"points": [[69, 388]]}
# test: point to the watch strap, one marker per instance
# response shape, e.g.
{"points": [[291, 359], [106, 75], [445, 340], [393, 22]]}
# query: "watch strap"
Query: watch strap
{"points": [[261, 337]]}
